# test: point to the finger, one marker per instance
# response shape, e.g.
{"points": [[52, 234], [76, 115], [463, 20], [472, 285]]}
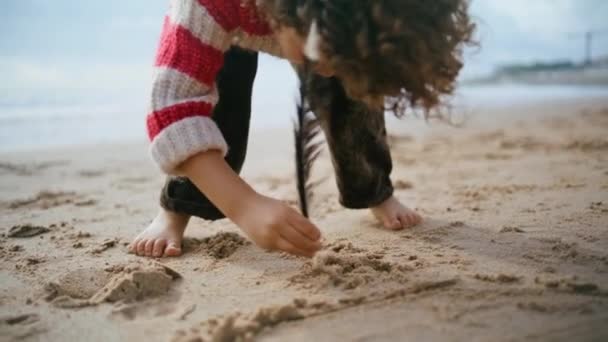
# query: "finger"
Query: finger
{"points": [[406, 220], [304, 226], [297, 239], [413, 218], [288, 247]]}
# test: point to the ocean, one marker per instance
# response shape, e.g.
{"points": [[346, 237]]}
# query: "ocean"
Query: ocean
{"points": [[26, 125]]}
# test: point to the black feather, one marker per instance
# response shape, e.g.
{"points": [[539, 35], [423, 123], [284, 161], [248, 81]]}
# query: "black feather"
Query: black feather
{"points": [[306, 130]]}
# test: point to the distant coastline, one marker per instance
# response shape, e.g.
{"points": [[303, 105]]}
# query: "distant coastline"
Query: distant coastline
{"points": [[548, 73]]}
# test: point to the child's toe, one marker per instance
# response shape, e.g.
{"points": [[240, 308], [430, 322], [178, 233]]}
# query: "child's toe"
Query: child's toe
{"points": [[148, 247], [141, 247], [405, 220], [133, 246], [159, 248], [173, 249], [393, 224]]}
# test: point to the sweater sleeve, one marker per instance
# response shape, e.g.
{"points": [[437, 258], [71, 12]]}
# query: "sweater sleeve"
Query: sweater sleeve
{"points": [[195, 35]]}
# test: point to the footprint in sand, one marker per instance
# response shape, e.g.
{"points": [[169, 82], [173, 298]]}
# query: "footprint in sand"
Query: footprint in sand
{"points": [[523, 143], [587, 145], [557, 250], [403, 185], [49, 199], [90, 173], [26, 231], [598, 207], [573, 286], [20, 326], [511, 229], [499, 278], [135, 180], [20, 170], [28, 169], [105, 245], [124, 284]]}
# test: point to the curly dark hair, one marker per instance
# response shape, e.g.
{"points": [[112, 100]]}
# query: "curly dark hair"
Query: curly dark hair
{"points": [[404, 53]]}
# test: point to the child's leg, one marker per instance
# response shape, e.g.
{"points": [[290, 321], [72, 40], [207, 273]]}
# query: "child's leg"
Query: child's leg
{"points": [[180, 198], [232, 115], [356, 136]]}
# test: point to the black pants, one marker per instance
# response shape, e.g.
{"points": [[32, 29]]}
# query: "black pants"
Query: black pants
{"points": [[355, 134]]}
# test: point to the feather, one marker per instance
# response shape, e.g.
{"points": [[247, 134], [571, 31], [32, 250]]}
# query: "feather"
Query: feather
{"points": [[307, 148]]}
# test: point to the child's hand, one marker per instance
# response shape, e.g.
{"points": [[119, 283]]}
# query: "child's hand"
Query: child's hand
{"points": [[273, 225]]}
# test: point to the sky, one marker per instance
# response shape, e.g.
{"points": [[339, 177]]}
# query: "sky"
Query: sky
{"points": [[66, 51]]}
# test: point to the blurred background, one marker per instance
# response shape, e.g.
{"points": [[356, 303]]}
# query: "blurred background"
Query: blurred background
{"points": [[77, 72]]}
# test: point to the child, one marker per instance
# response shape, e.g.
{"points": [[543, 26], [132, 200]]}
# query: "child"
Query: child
{"points": [[361, 51]]}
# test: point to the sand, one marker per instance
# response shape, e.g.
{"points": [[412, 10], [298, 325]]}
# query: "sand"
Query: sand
{"points": [[514, 245]]}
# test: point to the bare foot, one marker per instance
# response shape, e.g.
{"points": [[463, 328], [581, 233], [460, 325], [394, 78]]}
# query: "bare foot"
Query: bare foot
{"points": [[395, 216], [163, 237]]}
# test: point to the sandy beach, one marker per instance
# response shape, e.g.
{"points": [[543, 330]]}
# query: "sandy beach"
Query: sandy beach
{"points": [[514, 245]]}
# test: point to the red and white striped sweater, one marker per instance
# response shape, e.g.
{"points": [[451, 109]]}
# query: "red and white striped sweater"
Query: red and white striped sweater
{"points": [[195, 35]]}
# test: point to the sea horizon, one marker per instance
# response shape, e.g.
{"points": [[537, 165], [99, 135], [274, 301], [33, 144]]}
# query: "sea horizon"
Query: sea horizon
{"points": [[36, 125]]}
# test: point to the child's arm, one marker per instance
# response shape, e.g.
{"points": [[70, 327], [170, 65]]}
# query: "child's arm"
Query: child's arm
{"points": [[186, 140], [270, 223]]}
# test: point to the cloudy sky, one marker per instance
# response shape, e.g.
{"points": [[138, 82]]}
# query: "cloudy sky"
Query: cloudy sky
{"points": [[66, 50]]}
